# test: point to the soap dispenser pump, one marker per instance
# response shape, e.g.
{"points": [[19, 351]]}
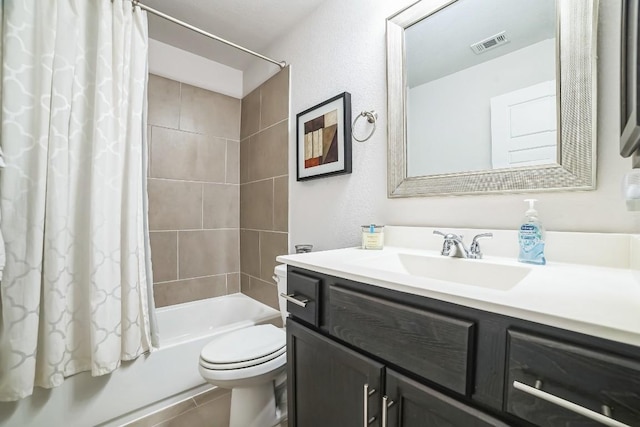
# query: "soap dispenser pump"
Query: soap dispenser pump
{"points": [[531, 237]]}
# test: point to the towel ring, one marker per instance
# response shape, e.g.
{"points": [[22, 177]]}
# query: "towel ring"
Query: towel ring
{"points": [[372, 117]]}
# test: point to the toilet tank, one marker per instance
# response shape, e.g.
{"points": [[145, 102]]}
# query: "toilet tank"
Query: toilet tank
{"points": [[281, 280]]}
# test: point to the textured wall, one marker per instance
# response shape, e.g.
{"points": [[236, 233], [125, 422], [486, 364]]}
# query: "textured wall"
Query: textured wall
{"points": [[264, 185], [341, 47], [194, 192]]}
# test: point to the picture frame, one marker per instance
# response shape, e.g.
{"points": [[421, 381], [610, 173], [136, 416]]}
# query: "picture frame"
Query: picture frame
{"points": [[323, 139], [630, 82]]}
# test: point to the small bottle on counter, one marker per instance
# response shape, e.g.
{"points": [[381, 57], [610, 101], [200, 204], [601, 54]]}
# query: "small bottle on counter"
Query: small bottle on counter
{"points": [[372, 236]]}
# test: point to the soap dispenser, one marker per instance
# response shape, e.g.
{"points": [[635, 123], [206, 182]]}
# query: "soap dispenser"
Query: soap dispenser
{"points": [[531, 237]]}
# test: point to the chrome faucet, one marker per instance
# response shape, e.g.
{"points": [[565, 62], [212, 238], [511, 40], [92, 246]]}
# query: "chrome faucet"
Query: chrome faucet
{"points": [[455, 242]]}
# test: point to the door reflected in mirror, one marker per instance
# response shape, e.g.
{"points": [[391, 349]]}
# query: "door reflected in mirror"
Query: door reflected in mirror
{"points": [[481, 87]]}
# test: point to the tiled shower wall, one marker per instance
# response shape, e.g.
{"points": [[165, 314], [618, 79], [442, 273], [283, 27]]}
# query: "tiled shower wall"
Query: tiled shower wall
{"points": [[264, 186], [194, 191]]}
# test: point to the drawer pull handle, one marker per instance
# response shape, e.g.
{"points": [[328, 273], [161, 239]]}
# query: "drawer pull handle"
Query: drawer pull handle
{"points": [[292, 298], [365, 396], [535, 391], [386, 404]]}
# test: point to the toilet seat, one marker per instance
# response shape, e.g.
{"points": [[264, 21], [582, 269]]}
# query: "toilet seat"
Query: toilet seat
{"points": [[244, 363], [244, 347]]}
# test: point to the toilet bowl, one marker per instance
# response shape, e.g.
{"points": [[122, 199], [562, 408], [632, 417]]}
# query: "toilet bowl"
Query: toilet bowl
{"points": [[250, 361]]}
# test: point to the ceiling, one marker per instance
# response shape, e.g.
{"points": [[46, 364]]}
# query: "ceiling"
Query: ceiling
{"points": [[254, 24], [439, 45]]}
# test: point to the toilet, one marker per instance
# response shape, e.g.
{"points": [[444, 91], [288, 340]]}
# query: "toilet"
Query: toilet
{"points": [[251, 362]]}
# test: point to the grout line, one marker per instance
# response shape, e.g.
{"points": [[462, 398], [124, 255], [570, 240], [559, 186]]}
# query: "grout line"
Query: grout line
{"points": [[259, 252], [266, 231], [273, 203], [196, 277], [196, 229], [177, 255], [202, 207], [195, 182], [268, 127], [226, 160], [264, 179]]}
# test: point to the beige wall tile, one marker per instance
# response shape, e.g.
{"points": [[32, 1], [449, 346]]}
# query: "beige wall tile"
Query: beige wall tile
{"points": [[281, 203], [275, 99], [208, 252], [256, 205], [180, 291], [250, 252], [268, 152], [233, 283], [233, 162], [164, 255], [174, 205], [189, 156], [212, 414], [262, 291], [221, 207], [250, 116], [209, 112], [271, 245], [163, 102], [149, 151], [245, 283], [245, 165]]}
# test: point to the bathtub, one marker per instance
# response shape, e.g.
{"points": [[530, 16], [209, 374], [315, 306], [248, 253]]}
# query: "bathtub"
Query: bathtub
{"points": [[151, 382]]}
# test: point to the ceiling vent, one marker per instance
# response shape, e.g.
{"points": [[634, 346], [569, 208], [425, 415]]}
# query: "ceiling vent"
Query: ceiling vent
{"points": [[489, 43]]}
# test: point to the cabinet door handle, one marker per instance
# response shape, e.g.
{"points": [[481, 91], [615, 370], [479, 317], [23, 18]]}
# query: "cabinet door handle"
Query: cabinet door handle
{"points": [[292, 298], [535, 391], [365, 397], [386, 404]]}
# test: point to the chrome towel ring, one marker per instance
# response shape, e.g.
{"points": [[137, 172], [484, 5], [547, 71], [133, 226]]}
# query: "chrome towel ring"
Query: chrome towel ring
{"points": [[372, 117]]}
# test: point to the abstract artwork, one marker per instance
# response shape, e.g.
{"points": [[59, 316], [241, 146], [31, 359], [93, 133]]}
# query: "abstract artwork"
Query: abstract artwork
{"points": [[324, 139]]}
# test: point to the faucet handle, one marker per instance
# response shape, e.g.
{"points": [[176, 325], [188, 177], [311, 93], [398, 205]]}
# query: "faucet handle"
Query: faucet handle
{"points": [[481, 236], [474, 250], [448, 235]]}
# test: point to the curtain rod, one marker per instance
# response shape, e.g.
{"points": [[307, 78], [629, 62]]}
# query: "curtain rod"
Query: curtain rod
{"points": [[281, 64]]}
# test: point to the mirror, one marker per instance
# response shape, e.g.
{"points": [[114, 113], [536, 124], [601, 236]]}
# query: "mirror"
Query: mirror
{"points": [[473, 97]]}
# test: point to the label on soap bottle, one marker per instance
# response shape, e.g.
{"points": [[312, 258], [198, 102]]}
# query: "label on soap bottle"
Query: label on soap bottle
{"points": [[531, 244]]}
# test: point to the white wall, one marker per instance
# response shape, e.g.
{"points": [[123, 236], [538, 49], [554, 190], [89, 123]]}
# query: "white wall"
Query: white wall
{"points": [[437, 107], [341, 46], [177, 64]]}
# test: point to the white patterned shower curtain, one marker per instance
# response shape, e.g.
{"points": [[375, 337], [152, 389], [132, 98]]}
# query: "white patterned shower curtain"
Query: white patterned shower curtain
{"points": [[75, 292]]}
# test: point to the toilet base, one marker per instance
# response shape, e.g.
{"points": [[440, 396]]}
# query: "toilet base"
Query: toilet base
{"points": [[253, 406]]}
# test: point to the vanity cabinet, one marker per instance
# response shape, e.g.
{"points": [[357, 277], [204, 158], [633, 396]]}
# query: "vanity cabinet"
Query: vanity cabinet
{"points": [[434, 363], [328, 384], [332, 385]]}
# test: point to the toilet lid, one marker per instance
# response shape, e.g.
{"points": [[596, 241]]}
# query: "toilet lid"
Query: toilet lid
{"points": [[244, 344]]}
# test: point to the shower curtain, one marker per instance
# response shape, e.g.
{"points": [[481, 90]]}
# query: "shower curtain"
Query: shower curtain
{"points": [[76, 288]]}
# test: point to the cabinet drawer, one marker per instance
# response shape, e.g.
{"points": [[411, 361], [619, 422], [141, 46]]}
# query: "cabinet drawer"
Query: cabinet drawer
{"points": [[581, 376], [306, 290], [436, 347]]}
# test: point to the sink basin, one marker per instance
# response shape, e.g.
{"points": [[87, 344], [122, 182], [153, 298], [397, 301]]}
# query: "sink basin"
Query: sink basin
{"points": [[467, 272]]}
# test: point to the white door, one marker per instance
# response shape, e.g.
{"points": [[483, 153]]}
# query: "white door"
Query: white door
{"points": [[524, 127]]}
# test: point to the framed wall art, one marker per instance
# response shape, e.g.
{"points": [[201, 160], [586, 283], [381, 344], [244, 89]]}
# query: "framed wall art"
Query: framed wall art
{"points": [[324, 139]]}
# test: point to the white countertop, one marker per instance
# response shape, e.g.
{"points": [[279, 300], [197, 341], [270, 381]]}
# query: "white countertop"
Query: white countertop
{"points": [[596, 300]]}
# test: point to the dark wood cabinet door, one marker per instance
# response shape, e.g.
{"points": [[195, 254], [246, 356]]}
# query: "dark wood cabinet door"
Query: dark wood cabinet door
{"points": [[416, 405], [326, 382]]}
